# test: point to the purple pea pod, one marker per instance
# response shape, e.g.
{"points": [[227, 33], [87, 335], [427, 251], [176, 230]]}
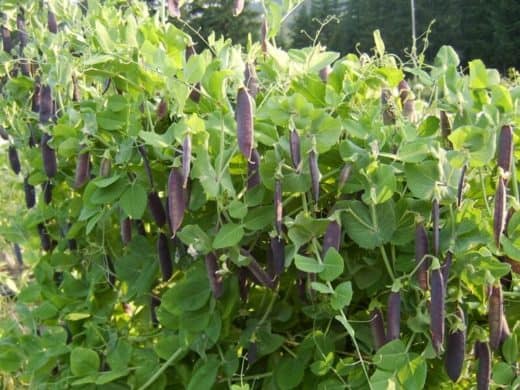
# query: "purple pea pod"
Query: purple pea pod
{"points": [[377, 327], [215, 279], [244, 119], [253, 170]]}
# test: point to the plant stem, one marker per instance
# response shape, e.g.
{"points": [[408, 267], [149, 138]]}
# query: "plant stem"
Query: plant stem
{"points": [[387, 262], [163, 368], [484, 191], [514, 181]]}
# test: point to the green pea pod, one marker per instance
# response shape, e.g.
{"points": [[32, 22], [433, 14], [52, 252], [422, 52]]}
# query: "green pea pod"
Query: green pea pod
{"points": [[30, 194], [215, 279], [377, 328], [495, 313], [499, 214], [421, 250], [176, 199], [163, 253], [437, 292], [455, 349], [244, 118], [393, 316], [48, 157], [52, 24], [14, 160]]}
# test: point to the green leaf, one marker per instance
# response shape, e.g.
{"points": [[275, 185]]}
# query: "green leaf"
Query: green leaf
{"points": [[382, 185], [84, 361], [380, 45], [204, 376], [342, 296], [422, 178], [228, 235], [479, 142], [288, 373], [478, 75], [237, 209], [413, 374], [259, 217], [391, 356], [321, 287], [333, 265], [11, 358], [194, 236], [133, 201], [503, 374], [307, 264], [510, 349], [188, 294]]}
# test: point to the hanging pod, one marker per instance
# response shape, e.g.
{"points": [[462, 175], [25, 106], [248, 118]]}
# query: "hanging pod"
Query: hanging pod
{"points": [[294, 143], [278, 206], [253, 170], [156, 208], [505, 148], [455, 349], [421, 250], [48, 156], [14, 160], [30, 194], [163, 253], [82, 175], [176, 199], [215, 279], [437, 293], [495, 313], [315, 175], [244, 119], [377, 328], [499, 215], [238, 7], [393, 316]]}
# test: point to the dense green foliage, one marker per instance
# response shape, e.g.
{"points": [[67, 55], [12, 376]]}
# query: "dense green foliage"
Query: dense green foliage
{"points": [[288, 229], [476, 29]]}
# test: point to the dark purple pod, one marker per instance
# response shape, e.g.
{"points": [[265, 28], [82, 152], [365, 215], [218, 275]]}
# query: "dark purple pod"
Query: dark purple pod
{"points": [[436, 227], [30, 194], [243, 283], [106, 86], [46, 104], [506, 332], [47, 191], [52, 24], [215, 279], [72, 244], [48, 156], [244, 119], [483, 354], [445, 268], [176, 199], [82, 169], [315, 175], [35, 101], [195, 93], [14, 160], [6, 39], [437, 309], [393, 316], [495, 313], [174, 9], [388, 114], [253, 170], [278, 206], [421, 250], [332, 237], [455, 349], [252, 353], [45, 238], [165, 260], [263, 34], [110, 271], [460, 187], [505, 148], [377, 327], [126, 230], [407, 101], [190, 51], [250, 79], [25, 68], [139, 225], [301, 285], [162, 109], [155, 302], [294, 143], [22, 32], [500, 211], [278, 255], [324, 73], [238, 7], [260, 275], [18, 254], [156, 209], [445, 124], [186, 159]]}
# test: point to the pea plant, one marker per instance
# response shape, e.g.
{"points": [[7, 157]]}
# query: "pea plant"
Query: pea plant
{"points": [[249, 217]]}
